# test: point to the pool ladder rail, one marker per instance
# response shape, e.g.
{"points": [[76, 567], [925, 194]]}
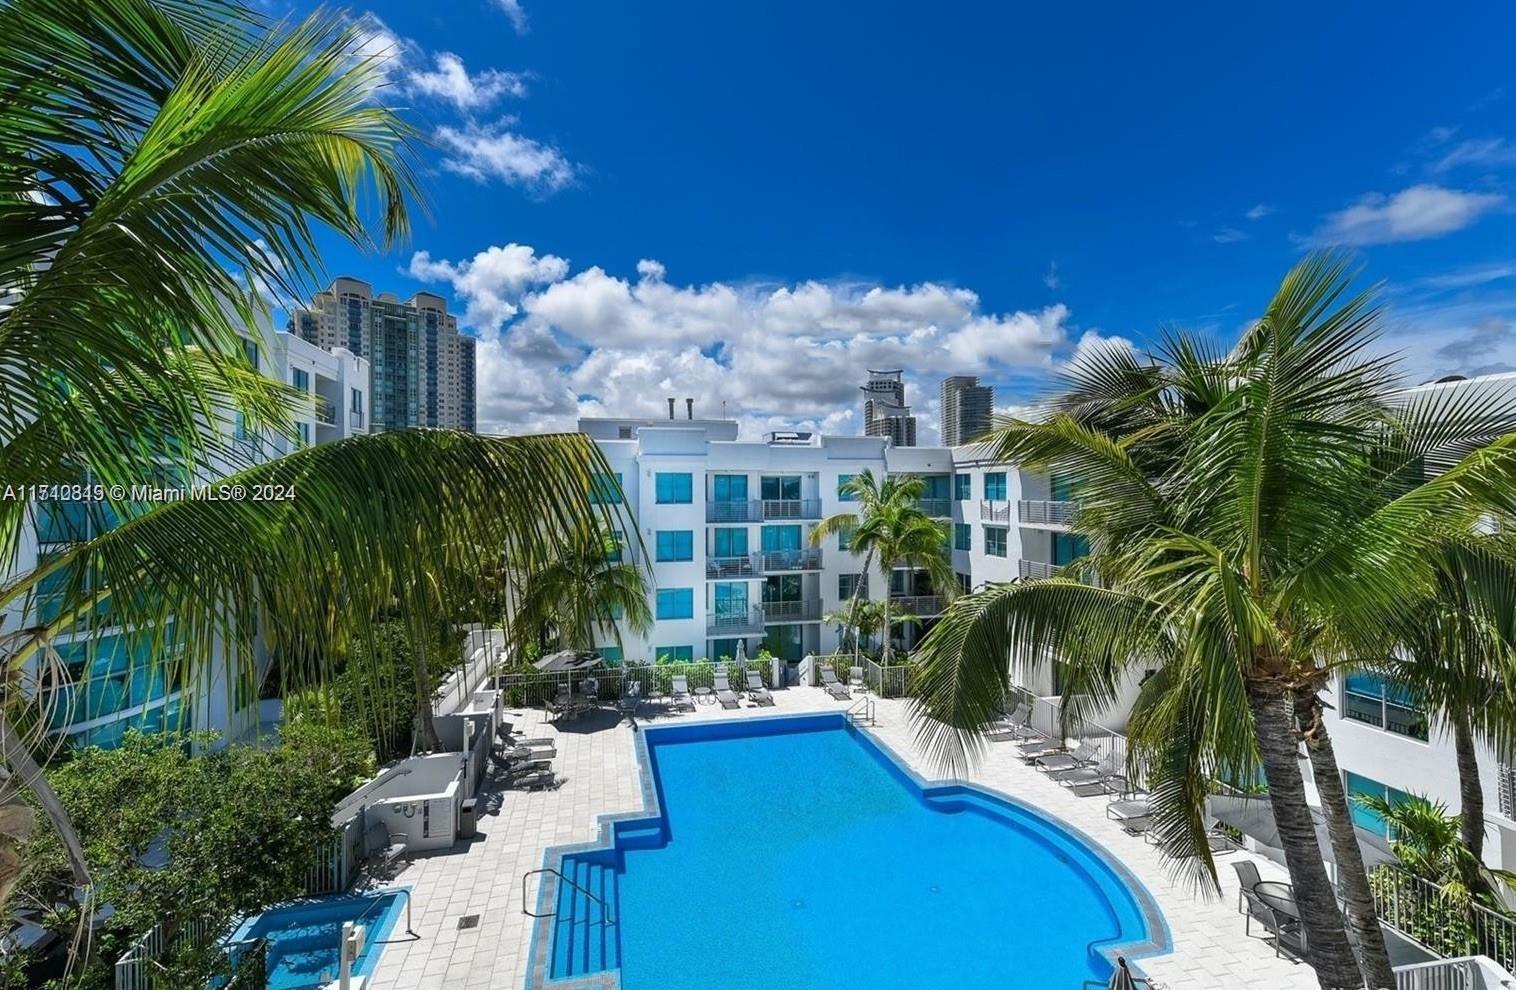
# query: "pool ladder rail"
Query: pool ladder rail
{"points": [[862, 713], [605, 909]]}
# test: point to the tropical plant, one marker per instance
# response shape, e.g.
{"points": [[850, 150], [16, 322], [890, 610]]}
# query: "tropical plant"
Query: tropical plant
{"points": [[162, 164], [1249, 513], [1428, 842], [890, 528], [584, 588], [857, 622]]}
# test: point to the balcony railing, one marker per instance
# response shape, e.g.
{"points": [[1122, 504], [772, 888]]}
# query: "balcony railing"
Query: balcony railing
{"points": [[1034, 569], [791, 508], [994, 512], [920, 605], [721, 568], [805, 559], [355, 419], [937, 508], [808, 610], [326, 413], [733, 623], [733, 512], [1044, 512]]}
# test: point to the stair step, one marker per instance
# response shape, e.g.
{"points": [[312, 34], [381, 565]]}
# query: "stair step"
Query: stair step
{"points": [[585, 941]]}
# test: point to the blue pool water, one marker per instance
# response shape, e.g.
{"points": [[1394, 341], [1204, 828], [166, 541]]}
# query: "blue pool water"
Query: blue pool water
{"points": [[302, 937], [794, 853]]}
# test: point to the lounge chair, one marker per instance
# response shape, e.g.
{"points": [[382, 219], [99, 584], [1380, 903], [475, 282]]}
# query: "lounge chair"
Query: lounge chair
{"points": [[1091, 780], [724, 692], [383, 849], [1134, 814], [536, 778], [631, 697], [1216, 840], [680, 693], [834, 687], [1034, 749], [756, 692], [1016, 725], [1055, 763]]}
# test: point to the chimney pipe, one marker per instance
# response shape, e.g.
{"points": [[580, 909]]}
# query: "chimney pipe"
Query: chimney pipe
{"points": [[671, 407], [689, 409]]}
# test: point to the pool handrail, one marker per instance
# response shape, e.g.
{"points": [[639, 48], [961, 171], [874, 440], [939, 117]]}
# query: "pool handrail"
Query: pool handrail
{"points": [[605, 909], [406, 892]]}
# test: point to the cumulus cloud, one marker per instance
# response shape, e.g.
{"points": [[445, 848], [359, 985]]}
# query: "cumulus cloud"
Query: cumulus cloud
{"points": [[1413, 214], [495, 151], [451, 81], [777, 356]]}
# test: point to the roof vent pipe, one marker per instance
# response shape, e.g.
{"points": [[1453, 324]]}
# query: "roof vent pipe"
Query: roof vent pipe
{"points": [[671, 407], [689, 409]]}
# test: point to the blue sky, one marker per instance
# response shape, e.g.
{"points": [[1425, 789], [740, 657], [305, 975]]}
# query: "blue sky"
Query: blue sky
{"points": [[756, 202]]}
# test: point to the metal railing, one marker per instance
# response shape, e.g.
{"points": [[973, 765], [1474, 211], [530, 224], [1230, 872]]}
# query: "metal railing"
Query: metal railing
{"points": [[791, 508], [1439, 974], [733, 512], [1423, 912], [935, 507], [1046, 512], [862, 712], [138, 967], [886, 682], [1505, 786], [721, 568], [724, 623], [805, 610], [326, 413], [605, 909], [1035, 569], [533, 689], [922, 605], [804, 559], [994, 512]]}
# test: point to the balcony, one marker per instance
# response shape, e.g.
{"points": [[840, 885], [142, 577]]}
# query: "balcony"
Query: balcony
{"points": [[791, 508], [808, 610], [725, 624], [733, 568], [326, 413], [1054, 513], [918, 605], [806, 559], [733, 512], [994, 512], [355, 419], [937, 508], [1036, 569]]}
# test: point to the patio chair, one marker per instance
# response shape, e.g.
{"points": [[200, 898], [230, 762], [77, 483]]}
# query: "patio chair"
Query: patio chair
{"points": [[833, 686], [1133, 814], [1247, 876], [536, 778], [724, 692], [1216, 840], [1016, 725], [1055, 763], [631, 697], [383, 849], [589, 690], [855, 680], [680, 693], [1289, 934], [1084, 781], [1034, 749], [756, 692]]}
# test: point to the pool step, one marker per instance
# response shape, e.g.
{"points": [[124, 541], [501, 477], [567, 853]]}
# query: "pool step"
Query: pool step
{"points": [[586, 938]]}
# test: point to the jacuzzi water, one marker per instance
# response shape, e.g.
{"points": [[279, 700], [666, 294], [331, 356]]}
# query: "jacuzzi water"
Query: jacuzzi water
{"points": [[303, 937], [793, 852]]}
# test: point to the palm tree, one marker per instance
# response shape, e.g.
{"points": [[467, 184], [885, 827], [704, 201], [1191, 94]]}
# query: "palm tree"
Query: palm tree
{"points": [[159, 161], [1428, 843], [585, 588], [1248, 511], [891, 527]]}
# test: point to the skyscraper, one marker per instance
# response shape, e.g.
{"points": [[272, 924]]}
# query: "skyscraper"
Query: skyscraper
{"points": [[966, 409], [885, 413], [422, 369]]}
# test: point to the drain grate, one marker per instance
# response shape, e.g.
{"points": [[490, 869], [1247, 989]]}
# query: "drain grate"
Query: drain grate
{"points": [[468, 921]]}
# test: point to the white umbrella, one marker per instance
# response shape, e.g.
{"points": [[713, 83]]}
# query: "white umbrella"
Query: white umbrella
{"points": [[1253, 816], [741, 651]]}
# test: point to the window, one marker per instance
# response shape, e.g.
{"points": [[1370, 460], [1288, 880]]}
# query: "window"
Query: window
{"points": [[730, 598], [777, 538], [674, 489], [676, 603], [678, 654], [994, 486], [1365, 819], [303, 430], [843, 495], [845, 537], [301, 379], [610, 654], [239, 429], [963, 536], [724, 649], [848, 583], [676, 544], [781, 489], [729, 542], [963, 487], [994, 541], [250, 350], [965, 582], [1381, 702], [357, 403], [729, 488], [605, 489], [618, 539], [1067, 547]]}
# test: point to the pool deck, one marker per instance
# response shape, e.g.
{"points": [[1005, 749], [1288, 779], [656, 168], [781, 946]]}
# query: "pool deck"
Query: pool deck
{"points": [[597, 758]]}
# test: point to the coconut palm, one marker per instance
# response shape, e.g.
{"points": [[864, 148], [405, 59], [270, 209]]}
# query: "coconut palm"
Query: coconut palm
{"points": [[585, 588], [890, 527], [1428, 842], [1248, 511], [163, 164]]}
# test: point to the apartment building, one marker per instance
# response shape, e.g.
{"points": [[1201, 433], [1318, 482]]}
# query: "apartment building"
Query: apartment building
{"points": [[422, 368], [726, 524], [118, 677], [885, 413], [966, 409]]}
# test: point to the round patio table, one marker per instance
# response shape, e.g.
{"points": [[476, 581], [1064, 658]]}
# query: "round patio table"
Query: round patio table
{"points": [[704, 695], [1278, 897]]}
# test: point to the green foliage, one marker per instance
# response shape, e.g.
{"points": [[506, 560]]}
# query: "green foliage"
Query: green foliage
{"points": [[1426, 840]]}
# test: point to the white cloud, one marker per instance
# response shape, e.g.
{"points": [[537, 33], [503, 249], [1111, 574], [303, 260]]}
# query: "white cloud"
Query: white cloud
{"points": [[1259, 212], [1228, 235], [779, 356], [515, 12], [1484, 152], [451, 81], [1413, 214], [491, 279], [1051, 279], [494, 151], [1093, 342], [374, 41]]}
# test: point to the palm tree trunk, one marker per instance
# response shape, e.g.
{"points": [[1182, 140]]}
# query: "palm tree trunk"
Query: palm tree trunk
{"points": [[1327, 947], [1470, 793], [426, 731], [1373, 958], [24, 773], [888, 639]]}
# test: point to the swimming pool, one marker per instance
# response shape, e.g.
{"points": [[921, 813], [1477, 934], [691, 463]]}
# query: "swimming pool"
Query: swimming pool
{"points": [[796, 852], [302, 937]]}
